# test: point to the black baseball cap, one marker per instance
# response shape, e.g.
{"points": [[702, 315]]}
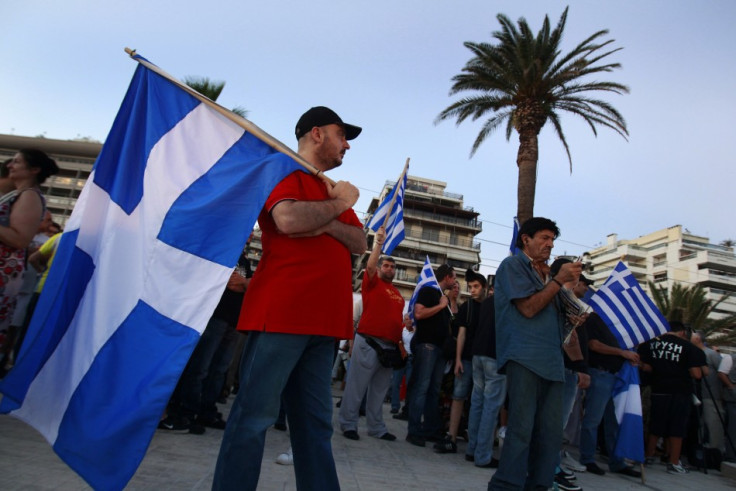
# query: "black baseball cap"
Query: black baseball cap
{"points": [[322, 116]]}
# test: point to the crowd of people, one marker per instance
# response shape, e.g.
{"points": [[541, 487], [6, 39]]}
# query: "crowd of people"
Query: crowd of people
{"points": [[510, 370]]}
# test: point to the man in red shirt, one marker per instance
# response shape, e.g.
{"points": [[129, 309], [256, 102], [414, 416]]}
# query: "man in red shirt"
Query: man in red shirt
{"points": [[309, 231], [380, 328]]}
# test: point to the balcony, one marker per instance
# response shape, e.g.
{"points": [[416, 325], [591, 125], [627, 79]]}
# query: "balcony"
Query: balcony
{"points": [[460, 242], [473, 224]]}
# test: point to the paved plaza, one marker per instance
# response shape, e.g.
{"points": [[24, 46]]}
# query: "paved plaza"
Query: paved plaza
{"points": [[187, 462]]}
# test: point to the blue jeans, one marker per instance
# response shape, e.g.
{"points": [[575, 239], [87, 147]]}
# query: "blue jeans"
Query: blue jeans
{"points": [[300, 366], [202, 380], [599, 406], [533, 432], [569, 394], [424, 390], [489, 392], [398, 374]]}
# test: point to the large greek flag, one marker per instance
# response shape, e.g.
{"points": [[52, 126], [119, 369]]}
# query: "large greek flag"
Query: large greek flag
{"points": [[146, 254], [627, 310], [395, 224], [426, 278]]}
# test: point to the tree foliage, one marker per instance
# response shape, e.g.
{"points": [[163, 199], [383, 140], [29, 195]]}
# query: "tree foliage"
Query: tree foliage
{"points": [[523, 81], [691, 306], [212, 90]]}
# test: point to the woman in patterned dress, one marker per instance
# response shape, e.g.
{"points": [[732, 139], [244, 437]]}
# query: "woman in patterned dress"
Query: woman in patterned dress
{"points": [[21, 212]]}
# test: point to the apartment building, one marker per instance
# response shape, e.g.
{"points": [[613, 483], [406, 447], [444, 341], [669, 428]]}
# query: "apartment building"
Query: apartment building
{"points": [[668, 256], [75, 160], [437, 224]]}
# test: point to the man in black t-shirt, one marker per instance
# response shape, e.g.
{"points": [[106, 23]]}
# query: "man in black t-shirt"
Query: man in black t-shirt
{"points": [[673, 362], [463, 329], [432, 318]]}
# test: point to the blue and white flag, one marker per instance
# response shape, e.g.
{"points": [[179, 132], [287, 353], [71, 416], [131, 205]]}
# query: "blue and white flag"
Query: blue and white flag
{"points": [[514, 236], [426, 278], [395, 224], [143, 261], [627, 310], [627, 405]]}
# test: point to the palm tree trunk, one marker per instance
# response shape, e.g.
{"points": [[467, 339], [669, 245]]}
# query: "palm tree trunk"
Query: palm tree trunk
{"points": [[526, 160]]}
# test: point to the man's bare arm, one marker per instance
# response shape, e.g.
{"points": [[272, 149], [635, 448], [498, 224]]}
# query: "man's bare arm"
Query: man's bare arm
{"points": [[533, 304], [422, 312], [351, 236], [304, 217], [371, 266]]}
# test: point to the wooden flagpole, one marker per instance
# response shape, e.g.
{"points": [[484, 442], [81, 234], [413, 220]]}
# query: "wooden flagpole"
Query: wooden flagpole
{"points": [[239, 120], [393, 198]]}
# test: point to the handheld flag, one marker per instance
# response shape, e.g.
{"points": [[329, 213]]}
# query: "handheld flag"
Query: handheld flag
{"points": [[146, 254], [514, 236], [627, 405], [426, 278], [627, 310], [394, 221]]}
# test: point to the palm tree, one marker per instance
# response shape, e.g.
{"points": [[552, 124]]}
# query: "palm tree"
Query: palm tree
{"points": [[525, 81], [690, 305], [212, 90]]}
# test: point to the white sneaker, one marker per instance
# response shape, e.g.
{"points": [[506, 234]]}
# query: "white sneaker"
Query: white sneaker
{"points": [[286, 458], [570, 463], [677, 469]]}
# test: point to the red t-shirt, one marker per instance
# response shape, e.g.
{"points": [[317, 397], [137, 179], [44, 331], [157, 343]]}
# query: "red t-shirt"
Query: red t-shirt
{"points": [[302, 285], [383, 308]]}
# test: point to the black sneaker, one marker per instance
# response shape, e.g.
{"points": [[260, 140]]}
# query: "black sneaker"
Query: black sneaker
{"points": [[403, 415], [566, 474], [196, 428], [217, 423], [174, 424], [351, 434], [594, 469], [565, 485], [445, 446], [416, 440]]}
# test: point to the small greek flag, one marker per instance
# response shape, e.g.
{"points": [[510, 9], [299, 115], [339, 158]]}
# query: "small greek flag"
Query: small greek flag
{"points": [[627, 405], [426, 278], [514, 235], [395, 223], [627, 310]]}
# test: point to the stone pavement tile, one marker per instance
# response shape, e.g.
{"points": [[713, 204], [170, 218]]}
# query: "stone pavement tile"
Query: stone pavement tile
{"points": [[186, 462]]}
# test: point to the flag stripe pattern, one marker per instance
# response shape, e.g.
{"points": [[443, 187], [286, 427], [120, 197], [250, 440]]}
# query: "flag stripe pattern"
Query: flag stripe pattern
{"points": [[395, 224], [627, 405], [426, 278], [143, 262], [627, 310]]}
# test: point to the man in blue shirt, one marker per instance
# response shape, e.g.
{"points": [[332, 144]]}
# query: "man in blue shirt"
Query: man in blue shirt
{"points": [[529, 335]]}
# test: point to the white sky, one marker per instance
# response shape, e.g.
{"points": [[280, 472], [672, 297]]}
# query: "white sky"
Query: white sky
{"points": [[386, 65]]}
